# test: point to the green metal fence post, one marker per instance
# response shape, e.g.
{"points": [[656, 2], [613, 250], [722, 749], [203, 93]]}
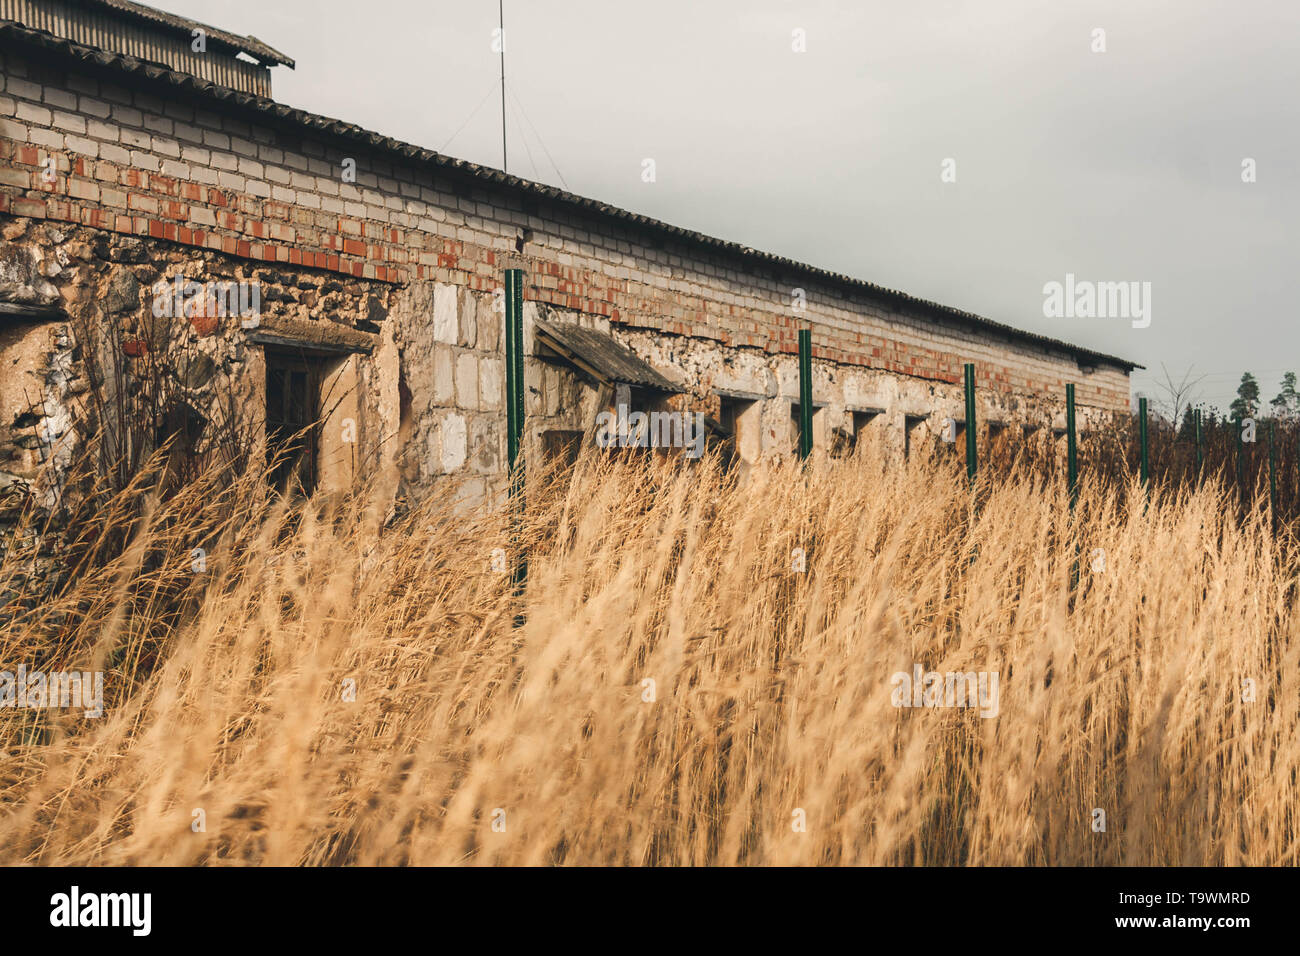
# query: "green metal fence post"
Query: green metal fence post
{"points": [[1241, 464], [1072, 472], [1272, 474], [512, 426], [969, 371], [805, 394], [514, 341], [1071, 448], [1145, 462]]}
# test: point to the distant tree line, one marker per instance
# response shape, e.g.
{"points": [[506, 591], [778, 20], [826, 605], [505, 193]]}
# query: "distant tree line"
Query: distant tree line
{"points": [[1285, 406]]}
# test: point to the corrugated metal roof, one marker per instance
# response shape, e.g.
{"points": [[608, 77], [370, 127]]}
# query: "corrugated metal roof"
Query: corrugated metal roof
{"points": [[250, 45], [599, 355], [103, 27], [349, 131]]}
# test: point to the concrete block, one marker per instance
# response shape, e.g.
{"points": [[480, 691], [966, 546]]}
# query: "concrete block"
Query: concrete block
{"points": [[491, 382], [453, 442], [444, 314], [467, 381]]}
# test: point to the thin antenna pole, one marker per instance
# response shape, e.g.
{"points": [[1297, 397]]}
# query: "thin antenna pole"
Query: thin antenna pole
{"points": [[501, 12]]}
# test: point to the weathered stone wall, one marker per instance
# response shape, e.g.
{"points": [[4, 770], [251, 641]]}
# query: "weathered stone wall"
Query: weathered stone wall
{"points": [[427, 392], [150, 160], [40, 377], [452, 372], [118, 332]]}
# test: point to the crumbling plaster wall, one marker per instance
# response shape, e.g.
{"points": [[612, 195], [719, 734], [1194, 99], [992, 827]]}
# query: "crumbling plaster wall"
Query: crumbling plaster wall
{"points": [[706, 368], [451, 360], [40, 377], [107, 285], [451, 389], [451, 355]]}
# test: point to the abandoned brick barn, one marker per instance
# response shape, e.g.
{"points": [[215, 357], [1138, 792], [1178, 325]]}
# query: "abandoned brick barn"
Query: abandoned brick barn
{"points": [[371, 269]]}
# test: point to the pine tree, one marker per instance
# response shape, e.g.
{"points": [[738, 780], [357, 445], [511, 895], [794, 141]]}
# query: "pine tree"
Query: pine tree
{"points": [[1247, 401], [1287, 403]]}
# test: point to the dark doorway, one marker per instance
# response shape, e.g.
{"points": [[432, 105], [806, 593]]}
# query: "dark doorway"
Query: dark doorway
{"points": [[730, 414], [562, 446], [913, 434]]}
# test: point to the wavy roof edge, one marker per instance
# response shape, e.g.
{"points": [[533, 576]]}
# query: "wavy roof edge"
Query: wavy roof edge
{"points": [[324, 124], [250, 45]]}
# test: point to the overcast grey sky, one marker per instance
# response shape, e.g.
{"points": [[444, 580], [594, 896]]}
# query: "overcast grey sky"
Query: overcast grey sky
{"points": [[1117, 166]]}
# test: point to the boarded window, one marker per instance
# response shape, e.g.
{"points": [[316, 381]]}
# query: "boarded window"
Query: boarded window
{"points": [[729, 411], [292, 394]]}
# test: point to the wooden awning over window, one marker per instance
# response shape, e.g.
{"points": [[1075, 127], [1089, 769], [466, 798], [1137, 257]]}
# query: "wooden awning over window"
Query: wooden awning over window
{"points": [[322, 337], [22, 312], [600, 357]]}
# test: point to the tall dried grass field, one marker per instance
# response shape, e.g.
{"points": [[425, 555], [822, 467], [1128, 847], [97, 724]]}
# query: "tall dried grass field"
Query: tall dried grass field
{"points": [[697, 671]]}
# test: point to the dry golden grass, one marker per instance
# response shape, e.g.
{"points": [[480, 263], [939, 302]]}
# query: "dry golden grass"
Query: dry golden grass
{"points": [[772, 688]]}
